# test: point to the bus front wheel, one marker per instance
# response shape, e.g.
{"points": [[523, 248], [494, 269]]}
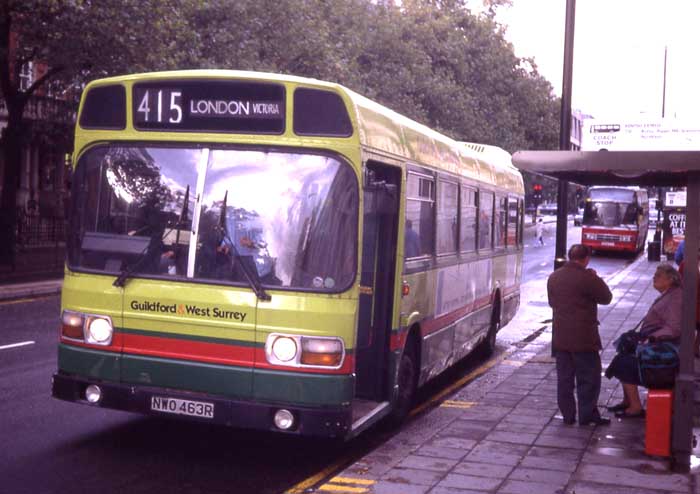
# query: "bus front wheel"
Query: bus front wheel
{"points": [[407, 381]]}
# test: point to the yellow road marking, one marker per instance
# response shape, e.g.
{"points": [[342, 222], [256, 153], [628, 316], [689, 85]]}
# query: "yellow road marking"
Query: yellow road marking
{"points": [[342, 488], [315, 479], [457, 404], [350, 480]]}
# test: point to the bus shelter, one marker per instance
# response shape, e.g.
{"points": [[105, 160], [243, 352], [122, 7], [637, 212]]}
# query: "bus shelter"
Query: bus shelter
{"points": [[645, 168]]}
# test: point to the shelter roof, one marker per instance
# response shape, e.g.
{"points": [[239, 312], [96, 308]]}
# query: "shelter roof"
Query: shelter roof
{"points": [[650, 168]]}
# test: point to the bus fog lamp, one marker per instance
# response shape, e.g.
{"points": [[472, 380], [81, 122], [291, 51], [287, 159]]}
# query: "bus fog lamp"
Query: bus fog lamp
{"points": [[99, 331], [284, 348], [284, 419], [93, 394]]}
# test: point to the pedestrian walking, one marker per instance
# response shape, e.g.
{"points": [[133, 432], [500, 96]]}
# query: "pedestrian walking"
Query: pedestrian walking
{"points": [[574, 293], [539, 231]]}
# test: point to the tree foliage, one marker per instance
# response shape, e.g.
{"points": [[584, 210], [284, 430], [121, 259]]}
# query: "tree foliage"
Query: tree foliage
{"points": [[432, 60]]}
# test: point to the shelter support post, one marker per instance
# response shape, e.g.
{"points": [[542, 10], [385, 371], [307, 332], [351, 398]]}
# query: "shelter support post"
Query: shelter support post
{"points": [[562, 203], [681, 445]]}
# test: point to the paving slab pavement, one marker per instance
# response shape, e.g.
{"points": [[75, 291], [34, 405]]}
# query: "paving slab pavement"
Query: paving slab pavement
{"points": [[507, 436], [30, 289]]}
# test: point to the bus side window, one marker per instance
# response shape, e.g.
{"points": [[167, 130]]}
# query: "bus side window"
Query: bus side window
{"points": [[447, 212], [468, 211], [485, 219], [420, 216], [500, 222]]}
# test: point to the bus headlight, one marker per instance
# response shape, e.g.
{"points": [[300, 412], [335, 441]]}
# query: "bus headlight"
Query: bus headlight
{"points": [[86, 328], [590, 236], [626, 238], [284, 348], [304, 351], [99, 331]]}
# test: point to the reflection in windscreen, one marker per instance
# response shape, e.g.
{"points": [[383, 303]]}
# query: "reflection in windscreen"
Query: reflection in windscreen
{"points": [[609, 214], [291, 217]]}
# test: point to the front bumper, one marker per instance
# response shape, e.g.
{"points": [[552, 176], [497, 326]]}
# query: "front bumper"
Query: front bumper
{"points": [[611, 246], [324, 422]]}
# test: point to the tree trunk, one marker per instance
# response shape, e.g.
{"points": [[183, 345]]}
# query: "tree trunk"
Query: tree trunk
{"points": [[12, 158]]}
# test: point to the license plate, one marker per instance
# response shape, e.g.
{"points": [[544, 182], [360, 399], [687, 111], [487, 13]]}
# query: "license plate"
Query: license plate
{"points": [[182, 407], [608, 244]]}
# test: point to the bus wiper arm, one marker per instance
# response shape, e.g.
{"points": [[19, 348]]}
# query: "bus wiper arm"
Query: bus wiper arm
{"points": [[251, 275], [127, 272]]}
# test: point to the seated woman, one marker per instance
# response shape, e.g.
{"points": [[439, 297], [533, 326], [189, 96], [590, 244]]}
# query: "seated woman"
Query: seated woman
{"points": [[662, 322]]}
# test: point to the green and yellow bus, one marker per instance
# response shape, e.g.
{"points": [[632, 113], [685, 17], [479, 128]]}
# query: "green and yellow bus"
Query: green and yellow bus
{"points": [[276, 253]]}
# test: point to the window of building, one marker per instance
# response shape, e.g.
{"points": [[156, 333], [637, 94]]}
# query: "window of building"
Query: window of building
{"points": [[26, 76], [467, 239], [420, 218], [447, 211]]}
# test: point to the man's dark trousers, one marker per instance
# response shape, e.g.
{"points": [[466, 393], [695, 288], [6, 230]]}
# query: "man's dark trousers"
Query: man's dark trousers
{"points": [[582, 369]]}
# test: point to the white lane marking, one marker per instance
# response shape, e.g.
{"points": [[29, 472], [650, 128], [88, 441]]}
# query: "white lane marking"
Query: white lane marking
{"points": [[15, 345]]}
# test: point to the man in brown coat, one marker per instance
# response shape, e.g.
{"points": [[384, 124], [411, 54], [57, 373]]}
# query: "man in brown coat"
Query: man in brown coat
{"points": [[574, 294]]}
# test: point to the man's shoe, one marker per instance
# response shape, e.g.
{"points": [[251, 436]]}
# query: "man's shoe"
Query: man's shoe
{"points": [[570, 421], [597, 421], [618, 408]]}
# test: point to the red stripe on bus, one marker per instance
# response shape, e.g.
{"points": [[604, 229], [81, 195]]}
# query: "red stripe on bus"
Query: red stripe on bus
{"points": [[511, 289], [398, 339], [199, 351], [429, 326]]}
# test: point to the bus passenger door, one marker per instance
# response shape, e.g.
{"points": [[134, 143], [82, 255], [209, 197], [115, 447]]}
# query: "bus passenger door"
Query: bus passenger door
{"points": [[381, 191]]}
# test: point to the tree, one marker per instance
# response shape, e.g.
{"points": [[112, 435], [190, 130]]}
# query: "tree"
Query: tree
{"points": [[78, 40]]}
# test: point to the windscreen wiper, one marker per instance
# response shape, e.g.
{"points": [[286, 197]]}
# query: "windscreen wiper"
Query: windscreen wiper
{"points": [[251, 275], [127, 272]]}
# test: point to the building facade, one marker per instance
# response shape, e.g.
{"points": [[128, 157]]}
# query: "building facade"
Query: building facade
{"points": [[43, 179]]}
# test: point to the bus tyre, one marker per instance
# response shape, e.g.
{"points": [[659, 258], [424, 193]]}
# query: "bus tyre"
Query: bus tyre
{"points": [[407, 381], [489, 344]]}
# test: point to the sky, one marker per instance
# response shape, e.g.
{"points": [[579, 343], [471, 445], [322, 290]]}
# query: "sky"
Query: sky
{"points": [[618, 53]]}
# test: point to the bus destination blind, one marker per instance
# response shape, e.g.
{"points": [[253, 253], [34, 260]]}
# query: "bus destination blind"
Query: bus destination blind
{"points": [[209, 106]]}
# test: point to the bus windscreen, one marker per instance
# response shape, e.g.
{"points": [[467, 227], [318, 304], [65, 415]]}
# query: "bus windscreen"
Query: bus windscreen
{"points": [[291, 216], [611, 194]]}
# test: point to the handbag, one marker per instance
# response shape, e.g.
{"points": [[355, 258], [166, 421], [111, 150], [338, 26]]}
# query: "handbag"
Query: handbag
{"points": [[627, 342], [658, 364]]}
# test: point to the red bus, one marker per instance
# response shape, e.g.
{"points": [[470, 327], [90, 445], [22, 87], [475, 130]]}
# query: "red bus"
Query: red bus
{"points": [[615, 219]]}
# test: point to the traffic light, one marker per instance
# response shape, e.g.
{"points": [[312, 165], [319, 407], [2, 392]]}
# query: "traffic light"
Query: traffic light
{"points": [[537, 194]]}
